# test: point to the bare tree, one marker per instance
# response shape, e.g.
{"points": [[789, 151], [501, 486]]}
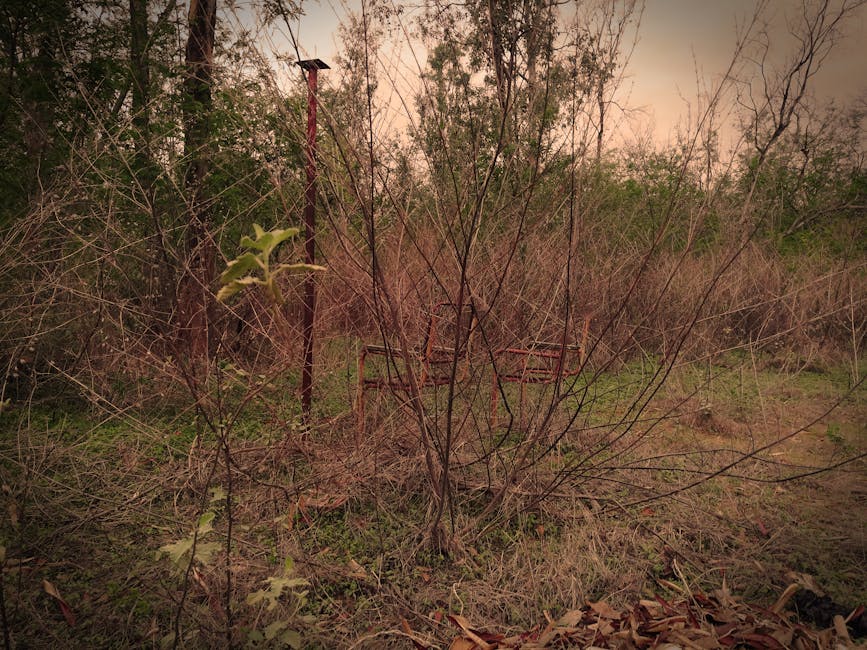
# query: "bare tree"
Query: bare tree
{"points": [[782, 89]]}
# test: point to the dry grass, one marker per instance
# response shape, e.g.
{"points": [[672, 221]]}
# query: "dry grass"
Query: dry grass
{"points": [[92, 504]]}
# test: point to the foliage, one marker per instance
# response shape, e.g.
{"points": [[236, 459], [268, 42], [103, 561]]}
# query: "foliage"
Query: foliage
{"points": [[191, 548], [279, 631], [235, 278]]}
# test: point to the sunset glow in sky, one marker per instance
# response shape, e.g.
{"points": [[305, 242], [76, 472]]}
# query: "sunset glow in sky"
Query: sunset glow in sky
{"points": [[681, 45]]}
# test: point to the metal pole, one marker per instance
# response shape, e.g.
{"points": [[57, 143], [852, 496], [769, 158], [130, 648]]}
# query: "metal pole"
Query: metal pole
{"points": [[312, 67]]}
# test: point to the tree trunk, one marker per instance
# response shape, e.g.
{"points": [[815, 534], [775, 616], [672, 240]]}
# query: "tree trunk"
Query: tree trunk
{"points": [[196, 296], [140, 76]]}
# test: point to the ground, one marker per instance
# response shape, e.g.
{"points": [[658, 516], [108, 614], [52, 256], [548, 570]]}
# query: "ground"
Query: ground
{"points": [[328, 543]]}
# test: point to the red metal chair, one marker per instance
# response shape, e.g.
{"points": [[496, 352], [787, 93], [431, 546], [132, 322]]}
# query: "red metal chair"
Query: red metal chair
{"points": [[432, 362], [541, 362]]}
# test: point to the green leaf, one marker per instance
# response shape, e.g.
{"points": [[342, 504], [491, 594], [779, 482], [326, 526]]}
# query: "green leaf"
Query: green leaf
{"points": [[205, 552], [291, 638], [177, 550], [299, 267], [205, 520], [247, 242], [228, 291], [276, 587], [235, 286], [217, 494], [274, 629], [238, 267]]}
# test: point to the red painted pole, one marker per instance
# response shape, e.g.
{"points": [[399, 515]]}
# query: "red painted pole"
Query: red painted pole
{"points": [[312, 67]]}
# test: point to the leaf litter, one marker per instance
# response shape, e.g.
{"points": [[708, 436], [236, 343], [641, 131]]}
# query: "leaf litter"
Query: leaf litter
{"points": [[696, 621]]}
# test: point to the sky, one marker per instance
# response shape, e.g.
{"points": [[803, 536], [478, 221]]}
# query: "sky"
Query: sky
{"points": [[681, 45]]}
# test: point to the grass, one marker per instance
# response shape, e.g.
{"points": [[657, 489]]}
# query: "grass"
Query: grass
{"points": [[90, 499]]}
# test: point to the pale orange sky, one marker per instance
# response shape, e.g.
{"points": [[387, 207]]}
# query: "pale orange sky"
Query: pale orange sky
{"points": [[677, 37]]}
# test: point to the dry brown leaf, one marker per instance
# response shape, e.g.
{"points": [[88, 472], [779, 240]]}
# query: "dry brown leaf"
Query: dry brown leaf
{"points": [[464, 624], [649, 604], [571, 618], [784, 598], [323, 500], [461, 643], [840, 627], [670, 623], [604, 609], [356, 570], [602, 626], [784, 635], [65, 609], [425, 573], [408, 630]]}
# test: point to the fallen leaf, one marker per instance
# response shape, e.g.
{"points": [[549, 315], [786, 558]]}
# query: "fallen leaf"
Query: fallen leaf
{"points": [[840, 628], [570, 619], [408, 630], [471, 634], [783, 600], [460, 643], [356, 570], [52, 591], [761, 641], [605, 610]]}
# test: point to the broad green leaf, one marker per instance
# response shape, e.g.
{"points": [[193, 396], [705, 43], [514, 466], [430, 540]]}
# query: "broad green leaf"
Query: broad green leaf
{"points": [[177, 550], [276, 587], [229, 290], [239, 266], [298, 267], [205, 522], [291, 638], [289, 564], [217, 494], [274, 629], [248, 242], [281, 235], [205, 552]]}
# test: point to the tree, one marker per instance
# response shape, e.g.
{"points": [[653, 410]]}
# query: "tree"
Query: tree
{"points": [[196, 295]]}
